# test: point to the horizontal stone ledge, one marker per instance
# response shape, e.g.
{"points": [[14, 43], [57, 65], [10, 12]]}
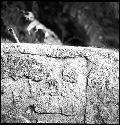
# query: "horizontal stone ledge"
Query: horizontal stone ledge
{"points": [[50, 83], [58, 50]]}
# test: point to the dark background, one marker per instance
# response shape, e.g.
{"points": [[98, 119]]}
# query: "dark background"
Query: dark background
{"points": [[63, 19]]}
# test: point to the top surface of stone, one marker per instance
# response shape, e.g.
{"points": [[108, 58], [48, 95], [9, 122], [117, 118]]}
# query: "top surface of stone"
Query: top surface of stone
{"points": [[56, 50]]}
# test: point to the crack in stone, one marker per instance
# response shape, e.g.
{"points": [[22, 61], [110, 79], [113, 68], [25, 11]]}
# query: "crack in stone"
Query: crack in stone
{"points": [[65, 110], [87, 78]]}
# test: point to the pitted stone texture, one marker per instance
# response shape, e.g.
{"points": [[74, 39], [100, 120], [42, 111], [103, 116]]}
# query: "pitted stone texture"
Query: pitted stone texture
{"points": [[60, 84], [103, 92]]}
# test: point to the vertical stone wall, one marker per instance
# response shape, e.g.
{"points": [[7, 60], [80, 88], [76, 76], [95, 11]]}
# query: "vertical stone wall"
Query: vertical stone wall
{"points": [[59, 84]]}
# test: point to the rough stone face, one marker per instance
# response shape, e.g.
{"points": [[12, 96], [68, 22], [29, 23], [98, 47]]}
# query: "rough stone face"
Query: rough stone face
{"points": [[59, 84]]}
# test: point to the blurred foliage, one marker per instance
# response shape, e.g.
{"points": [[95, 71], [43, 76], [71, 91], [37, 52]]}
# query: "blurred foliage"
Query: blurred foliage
{"points": [[62, 18]]}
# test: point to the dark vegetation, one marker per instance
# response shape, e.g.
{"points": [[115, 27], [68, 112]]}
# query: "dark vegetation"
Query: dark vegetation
{"points": [[76, 23]]}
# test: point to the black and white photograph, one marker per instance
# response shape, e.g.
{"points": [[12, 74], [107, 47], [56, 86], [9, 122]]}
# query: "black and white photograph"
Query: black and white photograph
{"points": [[59, 62]]}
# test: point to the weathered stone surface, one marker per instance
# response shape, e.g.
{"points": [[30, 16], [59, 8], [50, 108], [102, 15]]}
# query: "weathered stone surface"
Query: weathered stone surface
{"points": [[62, 84]]}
